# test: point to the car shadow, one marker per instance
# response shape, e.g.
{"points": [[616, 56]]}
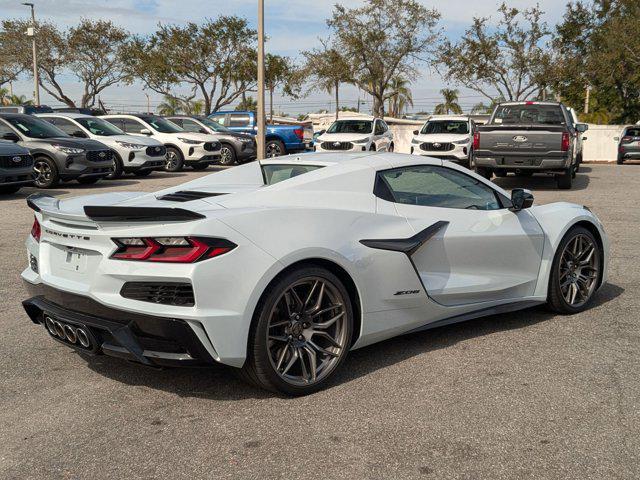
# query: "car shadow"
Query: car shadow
{"points": [[220, 382], [540, 182]]}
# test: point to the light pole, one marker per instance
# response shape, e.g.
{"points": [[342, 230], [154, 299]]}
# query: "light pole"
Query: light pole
{"points": [[32, 33], [260, 136]]}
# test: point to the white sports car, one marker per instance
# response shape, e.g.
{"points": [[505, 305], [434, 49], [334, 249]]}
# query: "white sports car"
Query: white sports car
{"points": [[280, 267]]}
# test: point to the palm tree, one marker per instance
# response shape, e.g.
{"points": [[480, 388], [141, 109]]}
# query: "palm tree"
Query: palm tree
{"points": [[401, 96], [193, 107], [170, 106], [450, 104], [4, 96], [247, 104], [19, 100]]}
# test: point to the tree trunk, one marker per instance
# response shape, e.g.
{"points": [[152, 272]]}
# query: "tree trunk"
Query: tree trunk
{"points": [[337, 100]]}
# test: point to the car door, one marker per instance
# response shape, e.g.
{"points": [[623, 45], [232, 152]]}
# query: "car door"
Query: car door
{"points": [[479, 250]]}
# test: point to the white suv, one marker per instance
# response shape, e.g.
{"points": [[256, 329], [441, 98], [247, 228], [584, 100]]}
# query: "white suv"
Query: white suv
{"points": [[196, 150], [356, 135], [445, 136], [136, 155]]}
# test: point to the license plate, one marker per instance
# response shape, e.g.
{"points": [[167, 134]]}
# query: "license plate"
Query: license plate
{"points": [[75, 260]]}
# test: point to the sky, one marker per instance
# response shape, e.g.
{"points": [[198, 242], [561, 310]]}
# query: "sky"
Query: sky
{"points": [[291, 25]]}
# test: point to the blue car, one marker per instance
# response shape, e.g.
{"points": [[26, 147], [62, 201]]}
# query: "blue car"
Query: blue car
{"points": [[280, 139]]}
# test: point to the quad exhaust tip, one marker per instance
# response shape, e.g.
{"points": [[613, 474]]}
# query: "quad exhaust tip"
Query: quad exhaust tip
{"points": [[68, 333]]}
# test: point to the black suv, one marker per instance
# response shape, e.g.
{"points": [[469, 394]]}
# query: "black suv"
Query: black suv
{"points": [[16, 167], [57, 156]]}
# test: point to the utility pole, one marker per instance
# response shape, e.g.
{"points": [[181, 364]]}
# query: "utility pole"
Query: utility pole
{"points": [[260, 136], [148, 103], [586, 99], [31, 32]]}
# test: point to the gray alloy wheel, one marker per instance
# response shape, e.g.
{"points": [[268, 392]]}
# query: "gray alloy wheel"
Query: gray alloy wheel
{"points": [[579, 270], [274, 148], [116, 169], [46, 174], [227, 155], [174, 160]]}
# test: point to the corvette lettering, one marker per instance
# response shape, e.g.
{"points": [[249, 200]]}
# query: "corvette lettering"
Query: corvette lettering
{"points": [[70, 236]]}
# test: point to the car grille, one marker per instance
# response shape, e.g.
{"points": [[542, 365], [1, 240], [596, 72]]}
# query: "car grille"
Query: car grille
{"points": [[166, 293], [336, 145], [212, 146], [436, 147], [10, 161], [100, 155], [159, 151]]}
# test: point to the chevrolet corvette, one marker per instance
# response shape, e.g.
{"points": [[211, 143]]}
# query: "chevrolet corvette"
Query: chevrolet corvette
{"points": [[281, 267]]}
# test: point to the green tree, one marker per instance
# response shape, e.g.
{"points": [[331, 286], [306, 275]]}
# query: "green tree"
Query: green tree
{"points": [[509, 58], [170, 106], [326, 69], [384, 39], [280, 73], [247, 104], [401, 98], [193, 107], [450, 103], [216, 58]]}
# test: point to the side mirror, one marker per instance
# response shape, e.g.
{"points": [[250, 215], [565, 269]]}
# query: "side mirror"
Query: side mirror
{"points": [[145, 131], [521, 199], [584, 139], [79, 134], [10, 136], [416, 132], [582, 127], [616, 139]]}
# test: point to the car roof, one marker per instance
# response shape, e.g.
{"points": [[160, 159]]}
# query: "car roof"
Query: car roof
{"points": [[15, 115], [449, 117], [71, 115]]}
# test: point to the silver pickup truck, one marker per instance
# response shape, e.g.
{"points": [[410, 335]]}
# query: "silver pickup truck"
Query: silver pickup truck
{"points": [[529, 137]]}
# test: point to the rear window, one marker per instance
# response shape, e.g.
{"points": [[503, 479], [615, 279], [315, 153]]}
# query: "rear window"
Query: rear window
{"points": [[533, 114], [273, 174], [632, 132]]}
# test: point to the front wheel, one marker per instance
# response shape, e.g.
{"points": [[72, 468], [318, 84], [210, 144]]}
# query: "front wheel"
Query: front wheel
{"points": [[174, 160], [116, 169], [301, 332], [576, 272], [391, 148], [227, 155], [274, 148], [564, 181], [46, 173]]}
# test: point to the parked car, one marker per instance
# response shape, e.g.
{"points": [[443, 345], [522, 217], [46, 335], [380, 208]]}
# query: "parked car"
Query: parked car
{"points": [[137, 155], [580, 138], [16, 167], [57, 156], [26, 109], [447, 137], [196, 150], [526, 138], [263, 277], [629, 144], [280, 139], [356, 135], [236, 147]]}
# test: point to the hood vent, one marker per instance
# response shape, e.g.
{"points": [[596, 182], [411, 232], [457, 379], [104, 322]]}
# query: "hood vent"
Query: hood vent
{"points": [[187, 196]]}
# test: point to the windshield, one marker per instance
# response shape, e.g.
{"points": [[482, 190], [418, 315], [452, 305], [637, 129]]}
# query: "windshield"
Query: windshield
{"points": [[215, 126], [351, 126], [460, 127], [99, 127], [162, 125], [529, 114], [277, 173], [33, 127]]}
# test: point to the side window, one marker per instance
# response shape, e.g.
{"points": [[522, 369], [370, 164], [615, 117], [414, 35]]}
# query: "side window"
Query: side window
{"points": [[63, 124], [433, 186], [177, 121], [132, 126], [191, 126], [239, 120], [379, 130], [5, 128], [385, 127], [117, 122], [219, 118]]}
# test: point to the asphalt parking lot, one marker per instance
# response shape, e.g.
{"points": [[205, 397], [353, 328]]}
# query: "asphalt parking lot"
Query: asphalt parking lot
{"points": [[520, 395]]}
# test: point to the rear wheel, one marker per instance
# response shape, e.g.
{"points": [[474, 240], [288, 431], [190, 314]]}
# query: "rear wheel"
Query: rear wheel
{"points": [[484, 172], [46, 173], [575, 273], [7, 189], [565, 180], [391, 148], [175, 160], [620, 160], [301, 332], [274, 148]]}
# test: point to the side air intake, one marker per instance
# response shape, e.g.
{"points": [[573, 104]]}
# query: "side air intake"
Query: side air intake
{"points": [[187, 196]]}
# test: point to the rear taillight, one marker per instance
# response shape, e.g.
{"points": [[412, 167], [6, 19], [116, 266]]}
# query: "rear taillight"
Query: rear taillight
{"points": [[35, 230], [170, 249], [627, 139], [299, 133], [476, 140], [566, 141]]}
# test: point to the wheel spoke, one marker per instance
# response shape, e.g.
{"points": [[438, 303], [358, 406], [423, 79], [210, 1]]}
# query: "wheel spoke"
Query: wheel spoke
{"points": [[279, 338], [322, 350], [305, 372], [328, 337], [292, 361], [281, 357], [313, 363], [329, 322], [308, 299], [326, 309]]}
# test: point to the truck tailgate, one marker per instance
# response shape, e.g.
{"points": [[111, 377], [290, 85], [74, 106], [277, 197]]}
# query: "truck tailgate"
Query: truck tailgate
{"points": [[515, 141]]}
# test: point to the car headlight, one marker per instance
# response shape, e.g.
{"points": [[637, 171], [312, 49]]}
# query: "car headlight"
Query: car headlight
{"points": [[461, 142], [415, 141], [361, 140], [68, 150], [131, 146], [190, 142]]}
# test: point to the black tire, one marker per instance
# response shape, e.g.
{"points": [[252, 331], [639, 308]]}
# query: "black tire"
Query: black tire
{"points": [[88, 180], [620, 160], [117, 169], [372, 148], [259, 368], [578, 163], [228, 155], [46, 170], [484, 172], [500, 173], [391, 148], [274, 148], [9, 189], [200, 166], [142, 173], [469, 161], [175, 160], [564, 181], [555, 298]]}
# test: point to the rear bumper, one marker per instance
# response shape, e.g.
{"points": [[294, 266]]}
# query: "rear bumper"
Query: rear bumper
{"points": [[145, 339], [523, 163]]}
